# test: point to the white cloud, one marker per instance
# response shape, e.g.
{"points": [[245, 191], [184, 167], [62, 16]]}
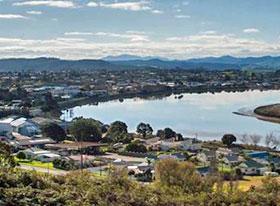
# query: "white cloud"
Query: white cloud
{"points": [[157, 11], [181, 47], [133, 36], [182, 16], [92, 4], [34, 12], [12, 16], [142, 5], [210, 32], [251, 30], [51, 3], [132, 6], [78, 33]]}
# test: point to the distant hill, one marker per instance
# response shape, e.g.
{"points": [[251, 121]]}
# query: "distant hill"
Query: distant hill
{"points": [[136, 62], [54, 64], [210, 63], [127, 57]]}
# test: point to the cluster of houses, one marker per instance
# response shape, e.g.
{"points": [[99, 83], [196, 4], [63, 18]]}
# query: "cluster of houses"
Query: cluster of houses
{"points": [[25, 137]]}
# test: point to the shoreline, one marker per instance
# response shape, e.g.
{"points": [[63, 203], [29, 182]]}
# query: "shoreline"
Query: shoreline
{"points": [[65, 105], [254, 114]]}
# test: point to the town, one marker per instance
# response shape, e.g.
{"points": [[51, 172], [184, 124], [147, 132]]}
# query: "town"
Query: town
{"points": [[41, 140], [26, 92]]}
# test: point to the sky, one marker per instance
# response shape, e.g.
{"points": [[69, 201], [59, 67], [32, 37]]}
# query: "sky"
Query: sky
{"points": [[175, 29]]}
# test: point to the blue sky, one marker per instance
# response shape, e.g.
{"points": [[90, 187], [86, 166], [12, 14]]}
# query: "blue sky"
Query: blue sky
{"points": [[177, 29]]}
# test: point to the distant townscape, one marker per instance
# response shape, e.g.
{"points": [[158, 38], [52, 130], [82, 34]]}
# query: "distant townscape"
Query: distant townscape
{"points": [[34, 137]]}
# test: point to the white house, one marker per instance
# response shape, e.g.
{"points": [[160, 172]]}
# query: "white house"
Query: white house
{"points": [[25, 127], [251, 167], [47, 157], [190, 145], [6, 127], [32, 152]]}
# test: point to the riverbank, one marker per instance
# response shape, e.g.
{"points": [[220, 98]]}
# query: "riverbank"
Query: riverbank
{"points": [[209, 115], [64, 105], [269, 113]]}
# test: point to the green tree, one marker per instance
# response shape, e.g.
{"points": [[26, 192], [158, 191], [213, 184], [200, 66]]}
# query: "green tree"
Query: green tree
{"points": [[167, 133], [183, 175], [50, 104], [228, 139], [136, 146], [6, 158], [117, 127], [144, 129], [117, 132], [54, 131], [85, 130], [21, 155]]}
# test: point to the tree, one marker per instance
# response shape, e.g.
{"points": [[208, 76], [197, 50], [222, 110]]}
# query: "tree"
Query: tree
{"points": [[144, 129], [244, 138], [172, 173], [228, 139], [269, 139], [85, 130], [118, 127], [167, 133], [50, 104], [54, 131], [21, 155], [136, 147], [6, 158], [180, 137], [255, 139], [117, 132]]}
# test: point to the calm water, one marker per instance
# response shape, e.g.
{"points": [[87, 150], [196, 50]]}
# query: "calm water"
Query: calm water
{"points": [[206, 116]]}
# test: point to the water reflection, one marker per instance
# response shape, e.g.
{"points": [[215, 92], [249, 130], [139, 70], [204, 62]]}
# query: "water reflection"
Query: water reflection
{"points": [[206, 115]]}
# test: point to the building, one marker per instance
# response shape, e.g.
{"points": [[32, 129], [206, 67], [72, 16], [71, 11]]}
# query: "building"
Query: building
{"points": [[25, 127], [6, 127], [47, 157], [251, 167]]}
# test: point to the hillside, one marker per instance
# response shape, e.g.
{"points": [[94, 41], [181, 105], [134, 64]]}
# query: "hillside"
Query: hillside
{"points": [[53, 64], [136, 62]]}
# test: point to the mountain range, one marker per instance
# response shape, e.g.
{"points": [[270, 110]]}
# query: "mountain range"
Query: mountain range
{"points": [[136, 62]]}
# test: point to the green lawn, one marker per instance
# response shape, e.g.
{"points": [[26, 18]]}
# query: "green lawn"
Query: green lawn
{"points": [[224, 168], [36, 163]]}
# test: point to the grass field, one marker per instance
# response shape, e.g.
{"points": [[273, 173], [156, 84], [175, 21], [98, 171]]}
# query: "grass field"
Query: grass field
{"points": [[250, 181], [36, 163]]}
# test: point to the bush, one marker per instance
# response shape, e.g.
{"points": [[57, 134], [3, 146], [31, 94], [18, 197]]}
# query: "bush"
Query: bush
{"points": [[21, 155]]}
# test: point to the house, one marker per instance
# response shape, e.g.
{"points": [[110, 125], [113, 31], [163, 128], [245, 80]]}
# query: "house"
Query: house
{"points": [[164, 156], [190, 145], [177, 156], [231, 159], [221, 151], [204, 171], [258, 154], [25, 127], [251, 167], [206, 156], [32, 152], [5, 127], [180, 156], [26, 143], [47, 157]]}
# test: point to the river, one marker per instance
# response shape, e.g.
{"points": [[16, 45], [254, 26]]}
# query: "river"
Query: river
{"points": [[205, 116]]}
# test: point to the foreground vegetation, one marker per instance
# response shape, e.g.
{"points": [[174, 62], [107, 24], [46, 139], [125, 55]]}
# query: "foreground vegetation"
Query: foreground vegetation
{"points": [[176, 184]]}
